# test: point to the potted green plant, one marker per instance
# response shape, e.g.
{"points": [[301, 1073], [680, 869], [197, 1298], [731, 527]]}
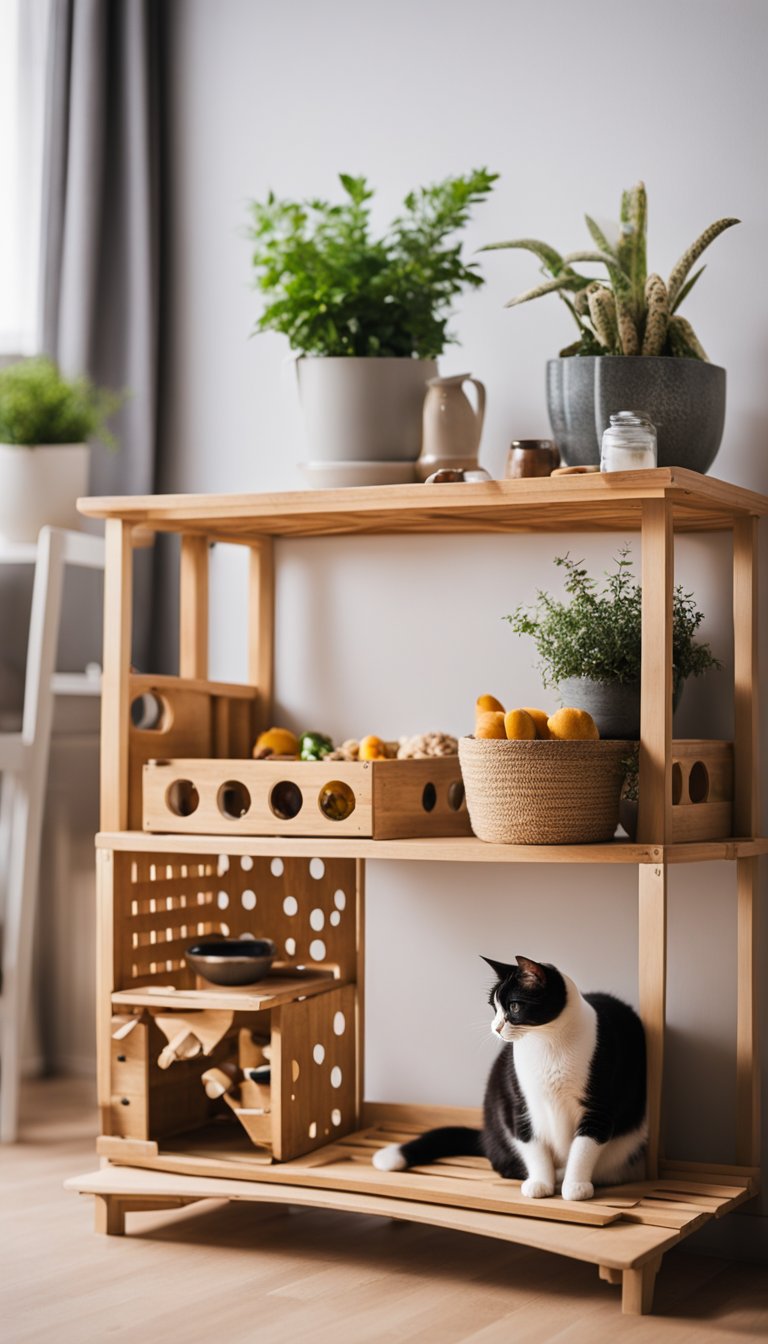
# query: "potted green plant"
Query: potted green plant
{"points": [[367, 315], [46, 421], [589, 644], [634, 350]]}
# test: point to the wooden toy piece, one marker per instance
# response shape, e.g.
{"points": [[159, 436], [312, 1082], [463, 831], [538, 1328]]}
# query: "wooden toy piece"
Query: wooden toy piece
{"points": [[123, 1024], [192, 1033], [220, 1080]]}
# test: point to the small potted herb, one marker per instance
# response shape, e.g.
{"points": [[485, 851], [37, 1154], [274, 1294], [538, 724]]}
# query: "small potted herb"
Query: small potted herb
{"points": [[46, 421], [589, 645], [367, 315]]}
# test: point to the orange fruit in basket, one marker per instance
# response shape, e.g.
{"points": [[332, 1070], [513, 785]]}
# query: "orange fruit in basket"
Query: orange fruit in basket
{"points": [[519, 726], [485, 704], [573, 725], [490, 724], [540, 718], [372, 749]]}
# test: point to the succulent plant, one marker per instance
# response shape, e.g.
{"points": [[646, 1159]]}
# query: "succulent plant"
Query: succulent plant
{"points": [[633, 313]]}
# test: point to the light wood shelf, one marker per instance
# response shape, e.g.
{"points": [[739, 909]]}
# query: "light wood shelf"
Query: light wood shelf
{"points": [[156, 891]]}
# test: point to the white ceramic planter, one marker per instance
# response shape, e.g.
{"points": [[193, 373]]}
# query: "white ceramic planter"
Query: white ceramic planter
{"points": [[39, 486], [363, 409]]}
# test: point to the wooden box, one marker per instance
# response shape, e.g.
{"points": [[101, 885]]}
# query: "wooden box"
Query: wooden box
{"points": [[702, 790], [380, 799]]}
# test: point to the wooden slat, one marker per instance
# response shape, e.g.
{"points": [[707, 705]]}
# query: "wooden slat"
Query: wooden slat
{"points": [[105, 978], [654, 821], [115, 693], [745, 678], [261, 625], [652, 973], [270, 993], [193, 608], [748, 1137]]}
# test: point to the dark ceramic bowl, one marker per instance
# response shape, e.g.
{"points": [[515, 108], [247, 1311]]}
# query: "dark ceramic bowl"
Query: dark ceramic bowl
{"points": [[232, 961]]}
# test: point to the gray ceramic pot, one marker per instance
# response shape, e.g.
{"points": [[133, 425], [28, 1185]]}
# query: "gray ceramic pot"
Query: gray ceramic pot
{"points": [[615, 706], [684, 398]]}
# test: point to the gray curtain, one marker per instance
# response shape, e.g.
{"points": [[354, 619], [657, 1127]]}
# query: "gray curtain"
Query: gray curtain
{"points": [[101, 239]]}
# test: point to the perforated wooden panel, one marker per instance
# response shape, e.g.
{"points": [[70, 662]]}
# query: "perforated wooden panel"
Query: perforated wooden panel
{"points": [[313, 1064], [167, 902]]}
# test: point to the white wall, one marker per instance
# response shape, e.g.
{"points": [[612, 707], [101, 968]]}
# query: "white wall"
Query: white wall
{"points": [[570, 103]]}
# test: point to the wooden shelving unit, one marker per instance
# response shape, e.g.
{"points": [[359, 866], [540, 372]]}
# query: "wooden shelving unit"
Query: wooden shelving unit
{"points": [[164, 1143]]}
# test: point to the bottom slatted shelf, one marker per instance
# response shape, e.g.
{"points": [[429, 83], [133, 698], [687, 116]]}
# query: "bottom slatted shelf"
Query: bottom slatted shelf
{"points": [[624, 1230]]}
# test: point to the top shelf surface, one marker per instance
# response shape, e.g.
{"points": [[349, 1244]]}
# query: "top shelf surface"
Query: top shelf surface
{"points": [[592, 503]]}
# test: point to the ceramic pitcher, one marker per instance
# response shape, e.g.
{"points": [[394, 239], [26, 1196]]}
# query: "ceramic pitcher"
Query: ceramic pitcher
{"points": [[451, 427]]}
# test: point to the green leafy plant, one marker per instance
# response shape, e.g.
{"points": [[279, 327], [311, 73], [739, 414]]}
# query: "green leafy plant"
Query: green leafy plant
{"points": [[596, 633], [333, 289], [633, 313], [38, 405]]}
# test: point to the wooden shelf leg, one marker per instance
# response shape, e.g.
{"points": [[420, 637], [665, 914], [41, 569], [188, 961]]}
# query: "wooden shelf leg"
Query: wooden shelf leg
{"points": [[115, 688], [110, 1215], [609, 1275], [637, 1287], [652, 953], [193, 608], [654, 821]]}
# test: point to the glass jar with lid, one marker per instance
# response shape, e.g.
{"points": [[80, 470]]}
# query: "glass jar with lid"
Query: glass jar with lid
{"points": [[629, 443]]}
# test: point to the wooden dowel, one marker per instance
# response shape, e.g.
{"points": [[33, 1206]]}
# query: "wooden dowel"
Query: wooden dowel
{"points": [[652, 953], [193, 608]]}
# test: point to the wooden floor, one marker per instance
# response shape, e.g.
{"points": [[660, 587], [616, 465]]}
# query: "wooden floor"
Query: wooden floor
{"points": [[251, 1274]]}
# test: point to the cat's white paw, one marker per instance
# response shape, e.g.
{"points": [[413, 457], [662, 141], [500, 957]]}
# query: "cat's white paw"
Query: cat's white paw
{"points": [[389, 1158], [536, 1189], [578, 1189]]}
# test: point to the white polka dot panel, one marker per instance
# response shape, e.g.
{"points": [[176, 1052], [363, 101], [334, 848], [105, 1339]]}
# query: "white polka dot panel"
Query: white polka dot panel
{"points": [[277, 867], [317, 949], [316, 869]]}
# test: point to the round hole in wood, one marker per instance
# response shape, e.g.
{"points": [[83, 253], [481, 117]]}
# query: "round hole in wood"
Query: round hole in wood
{"points": [[182, 798], [677, 783], [318, 1053], [312, 1131], [456, 795], [222, 900], [290, 947], [316, 920], [339, 1024], [246, 863], [428, 797], [295, 1070], [277, 867], [336, 1116], [317, 949], [335, 918], [233, 799], [316, 869], [285, 800], [698, 783], [248, 899], [336, 801], [290, 906], [339, 899], [336, 1077], [150, 713]]}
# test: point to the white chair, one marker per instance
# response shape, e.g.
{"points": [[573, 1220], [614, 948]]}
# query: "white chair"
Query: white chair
{"points": [[23, 774]]}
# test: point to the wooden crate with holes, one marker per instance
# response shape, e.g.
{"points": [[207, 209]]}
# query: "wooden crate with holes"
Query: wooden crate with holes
{"points": [[702, 790], [385, 800], [183, 1049]]}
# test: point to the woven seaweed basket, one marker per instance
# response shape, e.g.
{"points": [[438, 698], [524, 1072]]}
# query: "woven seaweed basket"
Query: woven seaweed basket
{"points": [[542, 793]]}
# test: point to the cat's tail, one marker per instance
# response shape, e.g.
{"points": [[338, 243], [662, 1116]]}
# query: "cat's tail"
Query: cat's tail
{"points": [[449, 1141]]}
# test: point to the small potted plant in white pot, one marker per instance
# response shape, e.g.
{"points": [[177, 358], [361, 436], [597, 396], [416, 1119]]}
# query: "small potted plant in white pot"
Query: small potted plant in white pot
{"points": [[366, 315], [634, 349], [589, 644], [46, 421]]}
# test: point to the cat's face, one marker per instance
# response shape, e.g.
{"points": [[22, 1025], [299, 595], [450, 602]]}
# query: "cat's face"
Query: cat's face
{"points": [[526, 996]]}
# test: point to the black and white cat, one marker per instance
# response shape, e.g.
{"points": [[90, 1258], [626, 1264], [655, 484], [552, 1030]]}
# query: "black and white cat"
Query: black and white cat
{"points": [[566, 1104]]}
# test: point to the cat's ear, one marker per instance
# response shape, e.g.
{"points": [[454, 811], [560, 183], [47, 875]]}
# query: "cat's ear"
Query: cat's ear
{"points": [[534, 974], [501, 969]]}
